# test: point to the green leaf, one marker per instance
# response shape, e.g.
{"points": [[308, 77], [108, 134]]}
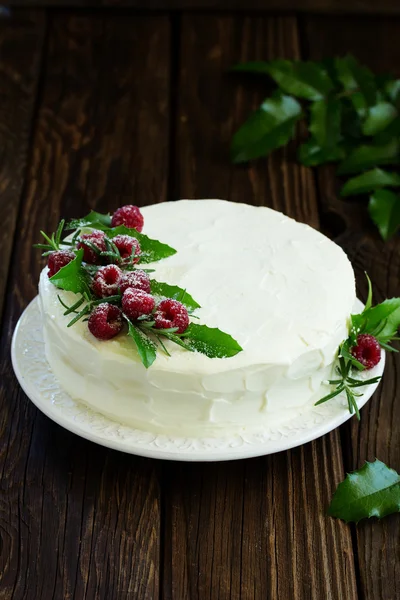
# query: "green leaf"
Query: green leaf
{"points": [[378, 118], [384, 209], [158, 288], [325, 122], [344, 351], [372, 491], [269, 127], [382, 320], [72, 277], [311, 154], [302, 79], [370, 181], [94, 220], [146, 348], [151, 250], [351, 122], [209, 341], [364, 157], [359, 80], [392, 91], [368, 303]]}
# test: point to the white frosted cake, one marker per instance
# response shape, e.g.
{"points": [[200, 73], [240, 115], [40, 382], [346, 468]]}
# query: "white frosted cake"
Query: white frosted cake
{"points": [[280, 288]]}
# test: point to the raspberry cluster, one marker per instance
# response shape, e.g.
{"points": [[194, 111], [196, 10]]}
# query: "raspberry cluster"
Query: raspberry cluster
{"points": [[114, 277]]}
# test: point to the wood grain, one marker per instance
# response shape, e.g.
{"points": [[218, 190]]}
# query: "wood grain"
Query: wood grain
{"points": [[21, 42], [251, 529], [377, 435], [76, 520], [323, 6]]}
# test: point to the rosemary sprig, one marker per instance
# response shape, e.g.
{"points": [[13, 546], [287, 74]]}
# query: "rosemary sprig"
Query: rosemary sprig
{"points": [[87, 309], [345, 383], [53, 242]]}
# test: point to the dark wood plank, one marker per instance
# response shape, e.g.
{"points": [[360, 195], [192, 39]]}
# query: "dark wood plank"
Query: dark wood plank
{"points": [[324, 6], [77, 520], [377, 435], [21, 41], [251, 529]]}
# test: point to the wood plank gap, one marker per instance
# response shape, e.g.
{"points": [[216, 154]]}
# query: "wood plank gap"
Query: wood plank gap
{"points": [[13, 176], [174, 82]]}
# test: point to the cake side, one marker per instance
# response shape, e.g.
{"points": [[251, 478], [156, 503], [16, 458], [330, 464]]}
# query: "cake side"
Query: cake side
{"points": [[283, 290]]}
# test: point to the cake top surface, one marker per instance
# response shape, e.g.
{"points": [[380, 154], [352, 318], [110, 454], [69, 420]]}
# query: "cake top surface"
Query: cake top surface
{"points": [[279, 287]]}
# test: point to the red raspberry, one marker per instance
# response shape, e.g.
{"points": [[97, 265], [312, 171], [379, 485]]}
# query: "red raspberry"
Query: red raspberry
{"points": [[105, 321], [106, 281], [171, 313], [126, 246], [97, 239], [59, 259], [367, 351], [135, 279], [136, 303], [128, 215]]}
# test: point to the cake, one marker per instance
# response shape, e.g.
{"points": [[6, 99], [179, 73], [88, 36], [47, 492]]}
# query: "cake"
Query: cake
{"points": [[281, 289]]}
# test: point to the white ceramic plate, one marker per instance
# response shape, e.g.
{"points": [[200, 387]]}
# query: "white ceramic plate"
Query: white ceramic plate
{"points": [[41, 386]]}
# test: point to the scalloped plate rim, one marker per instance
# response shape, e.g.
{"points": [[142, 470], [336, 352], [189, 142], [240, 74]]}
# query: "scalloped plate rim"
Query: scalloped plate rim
{"points": [[160, 446]]}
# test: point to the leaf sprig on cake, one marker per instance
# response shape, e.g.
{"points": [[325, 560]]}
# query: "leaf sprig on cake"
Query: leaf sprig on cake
{"points": [[101, 263], [374, 328], [353, 117]]}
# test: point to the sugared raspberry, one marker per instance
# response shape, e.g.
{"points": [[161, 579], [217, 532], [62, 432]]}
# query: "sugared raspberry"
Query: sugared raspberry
{"points": [[105, 321], [97, 239], [128, 215], [136, 303], [138, 280], [367, 350], [171, 313], [127, 246], [106, 281], [59, 259]]}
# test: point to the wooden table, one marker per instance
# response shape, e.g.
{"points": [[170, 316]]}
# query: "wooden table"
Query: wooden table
{"points": [[103, 107]]}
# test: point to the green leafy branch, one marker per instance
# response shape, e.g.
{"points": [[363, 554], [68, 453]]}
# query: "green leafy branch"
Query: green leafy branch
{"points": [[381, 321], [75, 277], [353, 117], [151, 250], [347, 384], [54, 240]]}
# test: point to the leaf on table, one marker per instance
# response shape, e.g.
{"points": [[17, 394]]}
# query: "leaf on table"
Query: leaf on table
{"points": [[351, 122], [378, 118], [370, 181], [359, 80], [372, 491], [72, 278], [325, 118], [323, 146], [146, 348], [367, 156], [158, 288], [301, 79], [212, 342], [392, 91], [310, 154], [384, 209], [392, 131], [269, 127]]}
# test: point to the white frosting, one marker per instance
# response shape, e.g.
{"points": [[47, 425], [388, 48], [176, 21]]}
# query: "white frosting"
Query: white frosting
{"points": [[280, 288]]}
